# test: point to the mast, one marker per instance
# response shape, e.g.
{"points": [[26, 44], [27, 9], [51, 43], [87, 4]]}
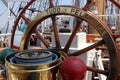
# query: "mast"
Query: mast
{"points": [[100, 5], [118, 19], [5, 2]]}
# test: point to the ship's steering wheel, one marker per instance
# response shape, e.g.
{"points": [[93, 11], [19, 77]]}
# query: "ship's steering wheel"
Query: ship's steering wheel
{"points": [[81, 15], [102, 29]]}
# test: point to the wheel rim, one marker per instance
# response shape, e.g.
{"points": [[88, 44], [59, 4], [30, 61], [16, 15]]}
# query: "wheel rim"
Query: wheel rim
{"points": [[21, 15], [102, 29]]}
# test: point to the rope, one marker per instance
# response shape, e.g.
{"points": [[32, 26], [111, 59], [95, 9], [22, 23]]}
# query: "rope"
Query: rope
{"points": [[3, 12]]}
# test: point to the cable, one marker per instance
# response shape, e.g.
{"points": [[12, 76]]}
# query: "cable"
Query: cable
{"points": [[3, 12]]}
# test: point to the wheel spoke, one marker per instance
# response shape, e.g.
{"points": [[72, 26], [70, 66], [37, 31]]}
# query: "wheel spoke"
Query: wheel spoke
{"points": [[26, 20], [116, 3], [17, 21], [97, 70], [86, 7], [57, 40], [41, 38], [67, 46], [87, 48]]}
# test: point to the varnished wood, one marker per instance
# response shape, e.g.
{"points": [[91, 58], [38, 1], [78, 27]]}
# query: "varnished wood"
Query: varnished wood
{"points": [[82, 51], [105, 32]]}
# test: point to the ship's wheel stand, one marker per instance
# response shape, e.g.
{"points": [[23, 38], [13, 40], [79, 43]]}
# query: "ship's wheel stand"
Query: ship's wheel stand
{"points": [[113, 73]]}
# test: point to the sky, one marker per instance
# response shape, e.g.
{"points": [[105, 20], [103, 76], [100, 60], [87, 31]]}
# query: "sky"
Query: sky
{"points": [[3, 15]]}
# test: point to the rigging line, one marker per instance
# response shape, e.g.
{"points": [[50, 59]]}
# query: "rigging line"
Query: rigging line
{"points": [[55, 2], [46, 2], [4, 27], [38, 8], [20, 6], [12, 8], [31, 11], [40, 3], [37, 4], [58, 2], [34, 8], [21, 22], [47, 6], [4, 37], [3, 12], [16, 10], [6, 4], [7, 26]]}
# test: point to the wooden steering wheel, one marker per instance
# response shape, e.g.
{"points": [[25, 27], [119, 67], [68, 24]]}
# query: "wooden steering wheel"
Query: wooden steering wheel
{"points": [[107, 39], [102, 29]]}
